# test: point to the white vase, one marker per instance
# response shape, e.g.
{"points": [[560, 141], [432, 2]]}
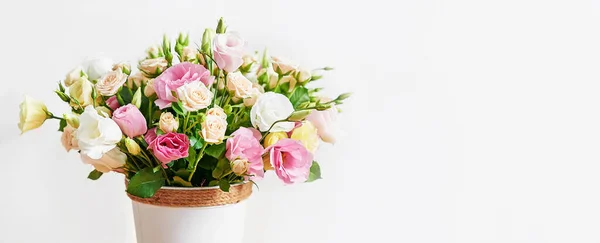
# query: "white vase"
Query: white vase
{"points": [[189, 224]]}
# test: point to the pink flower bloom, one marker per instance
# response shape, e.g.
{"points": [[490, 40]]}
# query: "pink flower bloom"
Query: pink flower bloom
{"points": [[169, 147], [326, 123], [150, 135], [113, 103], [228, 51], [130, 120], [175, 77], [290, 160], [245, 144]]}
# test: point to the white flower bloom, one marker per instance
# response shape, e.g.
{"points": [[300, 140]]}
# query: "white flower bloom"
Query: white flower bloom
{"points": [[95, 68], [269, 108], [96, 135], [112, 159]]}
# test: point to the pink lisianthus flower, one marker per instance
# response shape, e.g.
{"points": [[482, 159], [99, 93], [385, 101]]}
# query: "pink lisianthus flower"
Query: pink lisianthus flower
{"points": [[150, 135], [290, 160], [169, 147], [228, 49], [176, 76], [245, 144], [130, 120]]}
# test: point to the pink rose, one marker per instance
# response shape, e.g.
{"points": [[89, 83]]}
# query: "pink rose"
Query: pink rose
{"points": [[290, 160], [326, 123], [169, 147], [150, 135], [175, 77], [245, 144], [228, 51], [130, 120], [113, 103]]}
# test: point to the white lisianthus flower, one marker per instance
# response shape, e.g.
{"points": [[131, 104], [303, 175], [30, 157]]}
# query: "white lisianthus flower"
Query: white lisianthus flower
{"points": [[269, 108], [95, 68], [194, 96], [73, 76], [32, 115], [110, 160], [96, 134]]}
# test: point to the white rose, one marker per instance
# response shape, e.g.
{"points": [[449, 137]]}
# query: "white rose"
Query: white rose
{"points": [[149, 89], [73, 76], [82, 91], [68, 139], [189, 54], [112, 159], [96, 135], [194, 96], [283, 66], [269, 108], [240, 166], [32, 115], [217, 111], [326, 123], [153, 67], [213, 129], [95, 68], [239, 85], [110, 83], [168, 123]]}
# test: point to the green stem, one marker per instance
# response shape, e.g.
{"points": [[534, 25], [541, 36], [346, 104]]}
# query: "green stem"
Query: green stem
{"points": [[150, 104], [200, 155], [267, 132]]}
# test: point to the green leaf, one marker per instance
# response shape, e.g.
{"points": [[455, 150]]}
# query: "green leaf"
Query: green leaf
{"points": [[215, 150], [179, 181], [299, 96], [217, 172], [126, 95], [207, 163], [178, 108], [94, 175], [183, 173], [191, 155], [213, 183], [315, 172], [285, 87], [145, 183], [62, 124], [224, 185]]}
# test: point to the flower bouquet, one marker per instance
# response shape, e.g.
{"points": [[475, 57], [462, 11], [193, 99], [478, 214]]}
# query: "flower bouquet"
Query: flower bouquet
{"points": [[193, 116]]}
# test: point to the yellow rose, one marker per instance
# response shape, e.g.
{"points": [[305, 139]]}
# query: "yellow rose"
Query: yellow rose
{"points": [[307, 135], [273, 137], [33, 114]]}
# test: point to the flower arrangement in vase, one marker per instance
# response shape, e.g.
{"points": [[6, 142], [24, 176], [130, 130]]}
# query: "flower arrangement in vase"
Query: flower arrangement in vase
{"points": [[192, 116]]}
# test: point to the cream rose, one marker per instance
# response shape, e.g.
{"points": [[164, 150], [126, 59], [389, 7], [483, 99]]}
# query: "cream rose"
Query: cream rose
{"points": [[285, 79], [113, 159], [217, 111], [194, 96], [68, 139], [136, 80], [168, 123], [240, 166], [238, 85], [303, 75], [123, 67], [189, 54], [73, 76], [110, 83], [149, 89], [253, 95], [32, 115], [82, 91], [283, 66], [213, 129], [153, 67]]}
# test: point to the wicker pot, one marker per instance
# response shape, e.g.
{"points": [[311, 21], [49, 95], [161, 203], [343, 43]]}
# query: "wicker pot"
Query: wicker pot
{"points": [[192, 215]]}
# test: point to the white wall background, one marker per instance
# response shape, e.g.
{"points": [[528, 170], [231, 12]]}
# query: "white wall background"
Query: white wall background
{"points": [[472, 121]]}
